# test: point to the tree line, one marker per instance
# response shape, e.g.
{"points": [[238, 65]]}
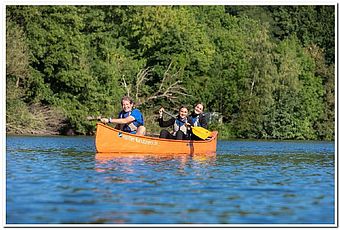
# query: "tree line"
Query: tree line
{"points": [[268, 71]]}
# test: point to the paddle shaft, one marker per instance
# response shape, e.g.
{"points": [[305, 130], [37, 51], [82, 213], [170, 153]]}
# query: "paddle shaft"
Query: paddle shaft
{"points": [[93, 118], [169, 114]]}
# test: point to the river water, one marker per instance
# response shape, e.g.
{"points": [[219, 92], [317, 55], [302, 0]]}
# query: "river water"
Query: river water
{"points": [[61, 180]]}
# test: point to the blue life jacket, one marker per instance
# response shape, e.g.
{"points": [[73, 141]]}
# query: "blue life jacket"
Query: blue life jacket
{"points": [[132, 127], [180, 125], [196, 120]]}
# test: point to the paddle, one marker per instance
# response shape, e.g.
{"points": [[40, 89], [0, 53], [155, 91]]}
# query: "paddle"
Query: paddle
{"points": [[93, 118], [98, 118], [198, 131]]}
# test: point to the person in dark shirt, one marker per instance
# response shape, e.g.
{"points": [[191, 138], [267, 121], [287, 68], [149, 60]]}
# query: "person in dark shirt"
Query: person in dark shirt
{"points": [[181, 125], [199, 119]]}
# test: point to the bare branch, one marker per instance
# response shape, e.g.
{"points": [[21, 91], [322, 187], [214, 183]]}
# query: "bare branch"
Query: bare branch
{"points": [[127, 87], [169, 87], [141, 77]]}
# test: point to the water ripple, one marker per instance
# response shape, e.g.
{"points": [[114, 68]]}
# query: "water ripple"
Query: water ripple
{"points": [[62, 180]]}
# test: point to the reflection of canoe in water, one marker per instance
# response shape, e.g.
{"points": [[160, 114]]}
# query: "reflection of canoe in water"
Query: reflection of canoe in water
{"points": [[128, 162], [110, 140], [126, 157]]}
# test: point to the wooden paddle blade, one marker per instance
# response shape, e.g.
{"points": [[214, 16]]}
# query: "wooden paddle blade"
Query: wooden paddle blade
{"points": [[201, 132]]}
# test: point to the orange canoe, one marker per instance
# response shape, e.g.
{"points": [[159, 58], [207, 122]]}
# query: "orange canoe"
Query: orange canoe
{"points": [[110, 140]]}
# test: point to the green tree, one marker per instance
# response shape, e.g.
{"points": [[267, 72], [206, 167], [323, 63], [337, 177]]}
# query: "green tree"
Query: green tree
{"points": [[257, 86], [297, 94], [17, 74], [325, 125], [165, 35], [229, 63], [311, 25], [23, 117], [267, 69]]}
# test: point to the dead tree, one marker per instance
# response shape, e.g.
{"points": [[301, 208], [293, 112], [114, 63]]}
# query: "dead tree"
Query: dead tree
{"points": [[170, 87]]}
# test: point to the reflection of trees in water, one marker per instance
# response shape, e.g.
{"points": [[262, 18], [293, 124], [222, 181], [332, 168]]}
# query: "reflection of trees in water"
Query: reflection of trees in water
{"points": [[272, 159]]}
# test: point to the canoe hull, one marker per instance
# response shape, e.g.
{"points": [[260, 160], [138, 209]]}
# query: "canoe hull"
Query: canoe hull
{"points": [[112, 140]]}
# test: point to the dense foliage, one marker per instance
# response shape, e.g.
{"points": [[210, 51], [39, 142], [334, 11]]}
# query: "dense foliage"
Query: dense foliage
{"points": [[268, 71]]}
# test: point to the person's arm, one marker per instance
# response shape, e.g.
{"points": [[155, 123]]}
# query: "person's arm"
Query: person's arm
{"points": [[163, 123], [189, 124], [190, 121], [138, 117], [203, 121], [167, 123], [126, 120]]}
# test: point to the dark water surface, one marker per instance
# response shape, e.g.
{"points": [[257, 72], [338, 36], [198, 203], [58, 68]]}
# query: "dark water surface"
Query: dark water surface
{"points": [[61, 180]]}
